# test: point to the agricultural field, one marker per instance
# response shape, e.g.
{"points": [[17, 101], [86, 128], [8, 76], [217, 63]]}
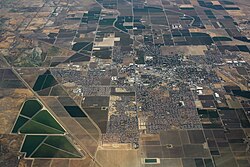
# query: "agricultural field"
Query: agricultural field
{"points": [[34, 120], [37, 124], [128, 83], [48, 147]]}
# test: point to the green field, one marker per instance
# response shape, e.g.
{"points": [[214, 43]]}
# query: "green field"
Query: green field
{"points": [[19, 123], [79, 45], [74, 111], [30, 108], [42, 123], [88, 47], [39, 82], [222, 39], [44, 81], [45, 151], [38, 126], [31, 143], [36, 146], [45, 118], [50, 81], [62, 143], [33, 127], [150, 160]]}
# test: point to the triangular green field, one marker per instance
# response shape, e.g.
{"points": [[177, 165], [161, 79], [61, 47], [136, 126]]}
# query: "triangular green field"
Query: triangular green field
{"points": [[41, 146], [45, 137], [33, 120]]}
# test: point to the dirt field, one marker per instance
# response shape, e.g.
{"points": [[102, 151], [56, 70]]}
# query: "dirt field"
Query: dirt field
{"points": [[118, 158]]}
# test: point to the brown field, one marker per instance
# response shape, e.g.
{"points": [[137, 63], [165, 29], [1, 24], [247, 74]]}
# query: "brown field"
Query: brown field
{"points": [[10, 106], [60, 162], [41, 163], [118, 158]]}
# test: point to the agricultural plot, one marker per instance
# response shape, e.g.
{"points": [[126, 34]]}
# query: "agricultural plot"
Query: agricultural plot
{"points": [[71, 107], [38, 124], [44, 81], [78, 57], [9, 80], [96, 108], [33, 120], [45, 84], [34, 127], [74, 111], [30, 108], [49, 147], [77, 122], [82, 46]]}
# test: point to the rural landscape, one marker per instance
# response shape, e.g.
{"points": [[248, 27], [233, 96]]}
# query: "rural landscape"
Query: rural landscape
{"points": [[124, 83]]}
